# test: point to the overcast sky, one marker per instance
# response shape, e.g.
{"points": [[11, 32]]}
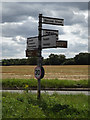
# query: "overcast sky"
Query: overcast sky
{"points": [[20, 21]]}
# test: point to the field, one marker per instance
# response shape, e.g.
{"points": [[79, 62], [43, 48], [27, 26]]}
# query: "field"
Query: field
{"points": [[26, 105], [69, 72]]}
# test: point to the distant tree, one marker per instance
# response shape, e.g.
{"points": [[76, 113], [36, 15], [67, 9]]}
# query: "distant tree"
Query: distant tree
{"points": [[56, 59], [32, 60], [81, 59], [70, 61], [88, 58], [46, 61], [53, 59], [0, 63], [62, 59]]}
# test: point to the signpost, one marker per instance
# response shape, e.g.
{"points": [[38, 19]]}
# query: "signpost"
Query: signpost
{"points": [[49, 39], [32, 43], [53, 21], [30, 53], [50, 32], [47, 42], [61, 44]]}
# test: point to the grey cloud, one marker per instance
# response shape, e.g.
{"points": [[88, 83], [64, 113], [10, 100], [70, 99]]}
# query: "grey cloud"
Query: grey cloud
{"points": [[26, 30], [84, 36], [78, 47], [80, 34], [6, 50], [76, 32], [89, 44], [19, 12], [14, 12], [11, 50], [20, 41], [79, 19], [80, 5], [24, 10]]}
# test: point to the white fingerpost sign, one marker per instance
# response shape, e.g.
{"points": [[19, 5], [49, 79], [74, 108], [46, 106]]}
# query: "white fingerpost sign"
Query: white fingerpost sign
{"points": [[53, 21], [32, 43], [50, 32], [49, 41]]}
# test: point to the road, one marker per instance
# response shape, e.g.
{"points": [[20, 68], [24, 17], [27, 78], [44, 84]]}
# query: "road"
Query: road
{"points": [[50, 92]]}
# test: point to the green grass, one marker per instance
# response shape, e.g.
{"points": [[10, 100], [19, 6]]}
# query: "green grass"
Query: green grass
{"points": [[54, 83], [0, 105], [26, 105]]}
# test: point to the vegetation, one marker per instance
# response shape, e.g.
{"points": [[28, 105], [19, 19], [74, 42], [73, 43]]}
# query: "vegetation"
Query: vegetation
{"points": [[0, 105], [80, 59], [26, 105], [16, 77], [32, 83]]}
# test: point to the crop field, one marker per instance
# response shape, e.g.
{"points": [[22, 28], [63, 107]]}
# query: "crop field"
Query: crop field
{"points": [[69, 72]]}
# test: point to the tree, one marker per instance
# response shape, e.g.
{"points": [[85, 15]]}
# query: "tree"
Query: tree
{"points": [[46, 61], [32, 61], [53, 59], [81, 59], [70, 61], [62, 59]]}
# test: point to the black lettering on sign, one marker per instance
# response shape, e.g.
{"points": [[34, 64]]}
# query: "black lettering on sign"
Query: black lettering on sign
{"points": [[37, 72], [45, 38], [48, 44]]}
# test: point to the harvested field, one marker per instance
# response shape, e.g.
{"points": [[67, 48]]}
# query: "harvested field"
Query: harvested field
{"points": [[69, 72]]}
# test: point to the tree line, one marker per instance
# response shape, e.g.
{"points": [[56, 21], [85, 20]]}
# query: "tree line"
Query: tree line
{"points": [[53, 59]]}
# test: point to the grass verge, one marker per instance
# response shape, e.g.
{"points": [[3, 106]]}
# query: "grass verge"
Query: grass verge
{"points": [[45, 83], [26, 105]]}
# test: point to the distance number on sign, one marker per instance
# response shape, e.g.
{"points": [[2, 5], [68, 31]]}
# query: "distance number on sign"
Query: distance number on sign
{"points": [[39, 72]]}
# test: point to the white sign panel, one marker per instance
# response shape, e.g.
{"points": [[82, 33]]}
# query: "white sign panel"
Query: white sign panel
{"points": [[53, 21], [49, 41], [50, 32], [32, 43]]}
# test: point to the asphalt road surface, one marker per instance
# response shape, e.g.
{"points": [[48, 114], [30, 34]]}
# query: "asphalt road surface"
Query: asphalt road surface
{"points": [[50, 92]]}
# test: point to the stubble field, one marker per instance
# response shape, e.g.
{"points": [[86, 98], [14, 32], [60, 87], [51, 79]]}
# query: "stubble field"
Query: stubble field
{"points": [[69, 72]]}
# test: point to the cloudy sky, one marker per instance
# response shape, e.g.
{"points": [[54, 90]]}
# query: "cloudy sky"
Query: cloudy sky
{"points": [[20, 21]]}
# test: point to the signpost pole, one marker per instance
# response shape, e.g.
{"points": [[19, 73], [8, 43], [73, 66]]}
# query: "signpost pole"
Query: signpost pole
{"points": [[39, 62]]}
